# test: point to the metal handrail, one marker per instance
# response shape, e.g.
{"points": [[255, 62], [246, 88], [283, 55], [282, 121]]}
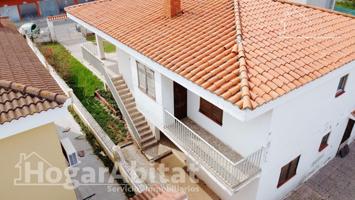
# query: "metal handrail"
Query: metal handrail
{"points": [[199, 137], [122, 107], [231, 173]]}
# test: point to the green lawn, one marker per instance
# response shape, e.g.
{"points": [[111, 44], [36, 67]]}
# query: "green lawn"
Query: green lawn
{"points": [[108, 47], [84, 84], [350, 4]]}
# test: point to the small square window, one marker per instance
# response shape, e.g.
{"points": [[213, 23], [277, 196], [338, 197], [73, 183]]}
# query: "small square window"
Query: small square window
{"points": [[341, 86], [324, 142]]}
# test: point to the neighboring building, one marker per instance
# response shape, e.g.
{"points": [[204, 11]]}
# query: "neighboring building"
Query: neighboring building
{"points": [[30, 103], [19, 9], [258, 94]]}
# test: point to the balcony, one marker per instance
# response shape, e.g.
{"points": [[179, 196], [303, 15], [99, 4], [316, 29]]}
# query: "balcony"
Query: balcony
{"points": [[230, 168]]}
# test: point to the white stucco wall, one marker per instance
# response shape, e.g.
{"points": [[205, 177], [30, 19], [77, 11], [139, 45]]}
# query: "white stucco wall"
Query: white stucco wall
{"points": [[232, 132], [124, 66], [297, 129]]}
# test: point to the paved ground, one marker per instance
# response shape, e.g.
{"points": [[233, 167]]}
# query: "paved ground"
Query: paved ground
{"points": [[98, 190], [335, 181]]}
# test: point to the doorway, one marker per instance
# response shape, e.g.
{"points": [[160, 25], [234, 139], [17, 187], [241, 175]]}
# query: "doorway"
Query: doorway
{"points": [[180, 101], [348, 130]]}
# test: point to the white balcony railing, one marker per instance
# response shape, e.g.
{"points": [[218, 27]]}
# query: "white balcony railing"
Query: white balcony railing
{"points": [[232, 174]]}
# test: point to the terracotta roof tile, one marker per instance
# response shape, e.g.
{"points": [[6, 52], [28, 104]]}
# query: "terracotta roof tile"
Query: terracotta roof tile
{"points": [[214, 38], [26, 87]]}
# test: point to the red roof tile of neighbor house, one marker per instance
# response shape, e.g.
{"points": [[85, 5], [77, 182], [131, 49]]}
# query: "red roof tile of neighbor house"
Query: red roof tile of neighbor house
{"points": [[57, 17], [26, 87], [249, 52]]}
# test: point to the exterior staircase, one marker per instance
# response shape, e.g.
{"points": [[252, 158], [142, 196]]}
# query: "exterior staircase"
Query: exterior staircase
{"points": [[147, 138]]}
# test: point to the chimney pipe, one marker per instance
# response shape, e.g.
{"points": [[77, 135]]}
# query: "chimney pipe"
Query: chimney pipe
{"points": [[172, 8]]}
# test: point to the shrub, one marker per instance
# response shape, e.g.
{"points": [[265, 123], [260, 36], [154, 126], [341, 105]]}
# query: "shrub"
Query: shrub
{"points": [[84, 84]]}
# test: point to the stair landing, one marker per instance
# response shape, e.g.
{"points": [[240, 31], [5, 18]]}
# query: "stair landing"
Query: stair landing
{"points": [[157, 152]]}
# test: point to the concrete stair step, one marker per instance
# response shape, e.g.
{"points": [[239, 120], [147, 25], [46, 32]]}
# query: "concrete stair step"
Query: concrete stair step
{"points": [[149, 144], [128, 99], [124, 92], [118, 77], [130, 105], [138, 119], [143, 129], [145, 133], [141, 123], [148, 139]]}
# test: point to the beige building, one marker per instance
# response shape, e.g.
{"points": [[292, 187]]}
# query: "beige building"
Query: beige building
{"points": [[31, 157]]}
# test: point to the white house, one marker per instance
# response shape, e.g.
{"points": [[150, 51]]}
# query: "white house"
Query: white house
{"points": [[258, 94]]}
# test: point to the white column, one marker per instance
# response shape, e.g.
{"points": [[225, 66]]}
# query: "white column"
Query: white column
{"points": [[100, 47], [51, 30]]}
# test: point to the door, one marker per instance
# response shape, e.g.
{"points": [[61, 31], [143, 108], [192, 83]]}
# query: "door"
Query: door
{"points": [[180, 101], [348, 130]]}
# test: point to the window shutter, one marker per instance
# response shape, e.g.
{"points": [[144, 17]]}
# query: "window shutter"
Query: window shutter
{"points": [[150, 83], [211, 111], [141, 77]]}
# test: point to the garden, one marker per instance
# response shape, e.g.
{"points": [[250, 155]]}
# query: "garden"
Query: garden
{"points": [[346, 6], [108, 47], [89, 89]]}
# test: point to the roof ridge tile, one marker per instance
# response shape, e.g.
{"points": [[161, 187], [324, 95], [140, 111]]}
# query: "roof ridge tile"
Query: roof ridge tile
{"points": [[244, 88]]}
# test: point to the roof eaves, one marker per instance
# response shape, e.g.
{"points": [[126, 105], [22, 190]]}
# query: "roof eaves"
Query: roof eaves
{"points": [[244, 87], [51, 96]]}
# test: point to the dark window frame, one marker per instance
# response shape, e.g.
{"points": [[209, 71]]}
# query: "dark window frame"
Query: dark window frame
{"points": [[288, 171], [211, 111], [324, 142], [341, 86]]}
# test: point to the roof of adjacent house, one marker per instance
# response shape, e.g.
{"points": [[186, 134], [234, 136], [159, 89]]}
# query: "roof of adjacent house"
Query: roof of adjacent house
{"points": [[26, 87], [57, 17], [248, 52]]}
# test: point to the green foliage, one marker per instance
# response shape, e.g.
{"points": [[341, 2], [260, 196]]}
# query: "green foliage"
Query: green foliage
{"points": [[108, 96], [108, 47], [346, 3], [84, 84]]}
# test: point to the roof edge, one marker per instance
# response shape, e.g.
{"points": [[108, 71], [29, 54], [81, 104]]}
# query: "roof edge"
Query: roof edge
{"points": [[314, 7], [51, 96], [246, 101]]}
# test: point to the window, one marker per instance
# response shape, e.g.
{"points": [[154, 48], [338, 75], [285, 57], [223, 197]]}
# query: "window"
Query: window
{"points": [[211, 111], [341, 86], [146, 80], [288, 171], [324, 142]]}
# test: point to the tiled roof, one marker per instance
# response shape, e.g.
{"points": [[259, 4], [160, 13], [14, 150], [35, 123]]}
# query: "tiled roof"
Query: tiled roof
{"points": [[26, 87], [17, 101], [57, 17], [19, 64], [249, 52]]}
